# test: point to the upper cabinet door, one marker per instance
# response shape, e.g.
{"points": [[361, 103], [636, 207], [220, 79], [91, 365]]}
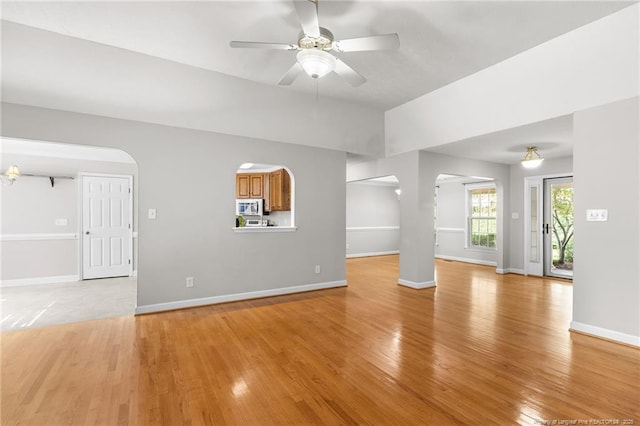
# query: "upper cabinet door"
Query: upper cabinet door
{"points": [[280, 189], [243, 186], [256, 185]]}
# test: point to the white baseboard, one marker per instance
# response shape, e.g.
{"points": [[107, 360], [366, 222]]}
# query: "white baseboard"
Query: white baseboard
{"points": [[375, 253], [510, 271], [426, 284], [466, 260], [605, 333], [372, 228], [191, 303], [39, 280]]}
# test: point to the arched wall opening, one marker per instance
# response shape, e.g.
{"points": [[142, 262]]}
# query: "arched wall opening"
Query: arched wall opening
{"points": [[45, 225], [272, 187], [465, 219]]}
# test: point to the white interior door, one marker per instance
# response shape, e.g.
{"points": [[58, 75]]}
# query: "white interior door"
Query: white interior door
{"points": [[106, 226]]}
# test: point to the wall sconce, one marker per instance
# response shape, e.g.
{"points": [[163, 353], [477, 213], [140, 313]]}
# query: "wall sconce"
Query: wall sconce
{"points": [[11, 174], [532, 159]]}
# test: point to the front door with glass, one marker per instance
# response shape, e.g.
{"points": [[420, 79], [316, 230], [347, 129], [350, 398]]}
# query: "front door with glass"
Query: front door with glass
{"points": [[558, 227]]}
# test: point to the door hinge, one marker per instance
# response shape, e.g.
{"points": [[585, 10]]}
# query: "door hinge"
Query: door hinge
{"points": [[129, 261], [129, 226], [129, 190]]}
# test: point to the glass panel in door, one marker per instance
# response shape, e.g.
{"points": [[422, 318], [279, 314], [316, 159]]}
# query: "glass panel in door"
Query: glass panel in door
{"points": [[533, 227], [558, 227]]}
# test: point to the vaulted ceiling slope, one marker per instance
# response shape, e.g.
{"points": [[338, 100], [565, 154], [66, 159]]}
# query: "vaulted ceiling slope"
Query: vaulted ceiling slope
{"points": [[170, 62]]}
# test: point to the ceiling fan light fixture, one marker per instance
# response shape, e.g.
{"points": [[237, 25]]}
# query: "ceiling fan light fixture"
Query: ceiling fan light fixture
{"points": [[532, 158], [316, 63]]}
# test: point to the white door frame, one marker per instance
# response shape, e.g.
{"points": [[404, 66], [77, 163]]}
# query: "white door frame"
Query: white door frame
{"points": [[81, 217], [538, 181]]}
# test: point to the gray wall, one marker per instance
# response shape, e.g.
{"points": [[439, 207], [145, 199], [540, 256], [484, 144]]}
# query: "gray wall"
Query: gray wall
{"points": [[192, 235], [606, 295], [560, 166], [29, 210], [450, 226], [154, 90], [373, 219]]}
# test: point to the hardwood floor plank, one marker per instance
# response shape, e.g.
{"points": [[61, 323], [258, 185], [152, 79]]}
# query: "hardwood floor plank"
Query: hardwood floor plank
{"points": [[480, 348]]}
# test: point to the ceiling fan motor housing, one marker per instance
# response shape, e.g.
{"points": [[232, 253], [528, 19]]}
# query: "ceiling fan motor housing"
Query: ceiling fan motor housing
{"points": [[324, 42]]}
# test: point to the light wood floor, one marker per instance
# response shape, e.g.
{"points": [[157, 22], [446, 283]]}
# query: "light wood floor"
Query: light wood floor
{"points": [[480, 349]]}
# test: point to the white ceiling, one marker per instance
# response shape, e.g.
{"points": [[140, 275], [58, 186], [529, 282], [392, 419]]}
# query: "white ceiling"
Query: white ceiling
{"points": [[440, 42], [551, 137]]}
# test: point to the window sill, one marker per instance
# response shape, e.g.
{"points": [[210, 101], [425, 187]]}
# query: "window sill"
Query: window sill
{"points": [[253, 229]]}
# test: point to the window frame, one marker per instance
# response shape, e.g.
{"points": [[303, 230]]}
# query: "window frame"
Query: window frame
{"points": [[468, 240]]}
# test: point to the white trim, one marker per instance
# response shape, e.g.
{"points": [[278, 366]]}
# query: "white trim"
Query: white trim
{"points": [[190, 303], [375, 253], [39, 280], [418, 286], [466, 260], [134, 273], [372, 228], [38, 237], [250, 229], [629, 339], [510, 271], [450, 230]]}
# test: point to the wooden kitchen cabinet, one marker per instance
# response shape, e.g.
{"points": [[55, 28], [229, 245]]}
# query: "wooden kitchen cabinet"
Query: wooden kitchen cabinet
{"points": [[250, 185], [279, 191]]}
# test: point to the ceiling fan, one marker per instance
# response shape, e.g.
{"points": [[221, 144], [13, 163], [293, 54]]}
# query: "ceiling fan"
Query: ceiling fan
{"points": [[315, 43]]}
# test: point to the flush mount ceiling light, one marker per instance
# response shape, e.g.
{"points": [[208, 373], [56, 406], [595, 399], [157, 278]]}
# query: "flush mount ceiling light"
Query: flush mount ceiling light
{"points": [[532, 159], [316, 63], [12, 174]]}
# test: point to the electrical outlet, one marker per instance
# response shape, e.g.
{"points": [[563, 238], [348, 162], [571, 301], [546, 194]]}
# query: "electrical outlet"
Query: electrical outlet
{"points": [[317, 269], [152, 214], [189, 281]]}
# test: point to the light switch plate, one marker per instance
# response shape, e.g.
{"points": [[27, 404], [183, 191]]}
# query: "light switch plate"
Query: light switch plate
{"points": [[515, 215], [597, 215], [62, 222], [152, 214]]}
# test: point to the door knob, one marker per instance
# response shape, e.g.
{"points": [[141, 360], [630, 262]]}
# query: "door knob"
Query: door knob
{"points": [[87, 232]]}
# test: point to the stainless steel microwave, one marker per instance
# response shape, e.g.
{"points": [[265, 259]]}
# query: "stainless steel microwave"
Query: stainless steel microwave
{"points": [[249, 206]]}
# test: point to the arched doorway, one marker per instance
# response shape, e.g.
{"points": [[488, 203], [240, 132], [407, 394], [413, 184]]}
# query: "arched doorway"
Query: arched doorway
{"points": [[43, 230]]}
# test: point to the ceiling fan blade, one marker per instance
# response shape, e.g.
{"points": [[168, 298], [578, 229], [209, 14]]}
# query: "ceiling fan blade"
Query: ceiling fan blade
{"points": [[345, 71], [307, 11], [291, 75], [376, 42], [261, 45]]}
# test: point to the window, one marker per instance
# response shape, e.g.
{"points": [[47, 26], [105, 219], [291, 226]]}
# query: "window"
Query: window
{"points": [[482, 216]]}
